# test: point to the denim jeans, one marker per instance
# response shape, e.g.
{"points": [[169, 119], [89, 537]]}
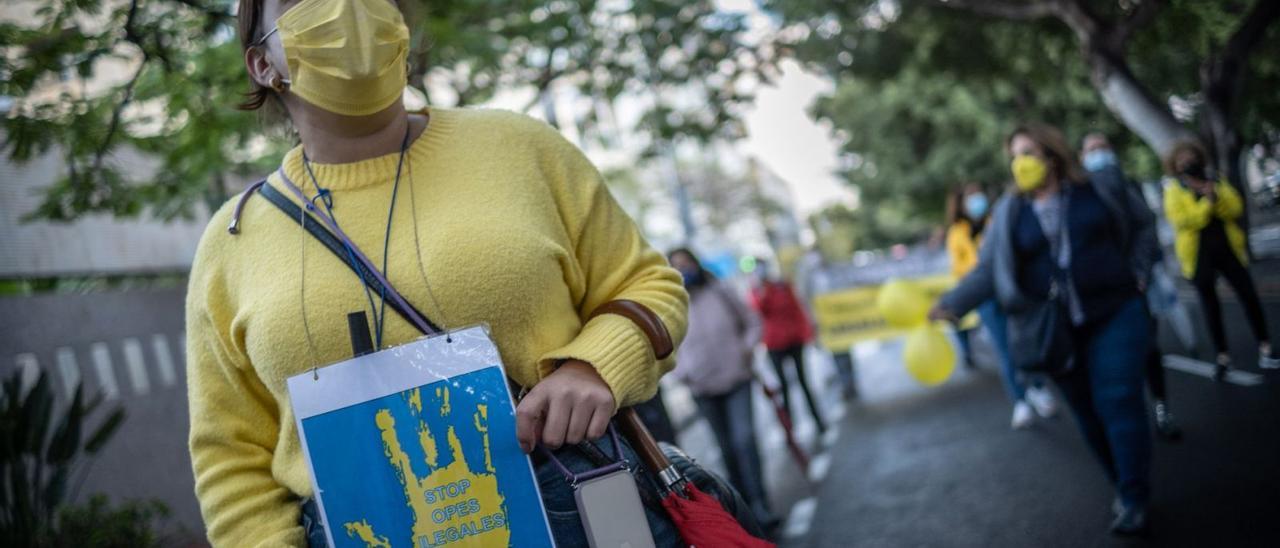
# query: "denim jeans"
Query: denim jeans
{"points": [[1015, 382], [732, 420], [1104, 391], [557, 499]]}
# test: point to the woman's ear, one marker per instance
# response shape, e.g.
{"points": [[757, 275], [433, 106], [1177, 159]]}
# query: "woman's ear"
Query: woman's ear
{"points": [[260, 70]]}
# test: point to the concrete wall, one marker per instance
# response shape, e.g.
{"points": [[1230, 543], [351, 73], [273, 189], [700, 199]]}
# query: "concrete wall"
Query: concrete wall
{"points": [[129, 347]]}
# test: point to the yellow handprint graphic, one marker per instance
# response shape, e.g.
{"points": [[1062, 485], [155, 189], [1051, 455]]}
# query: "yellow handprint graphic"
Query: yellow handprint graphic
{"points": [[453, 505]]}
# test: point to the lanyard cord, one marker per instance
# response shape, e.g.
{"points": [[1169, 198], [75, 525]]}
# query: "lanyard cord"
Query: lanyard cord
{"points": [[386, 239], [326, 197]]}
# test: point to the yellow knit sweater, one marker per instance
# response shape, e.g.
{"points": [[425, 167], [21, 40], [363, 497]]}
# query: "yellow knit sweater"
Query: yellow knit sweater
{"points": [[516, 230]]}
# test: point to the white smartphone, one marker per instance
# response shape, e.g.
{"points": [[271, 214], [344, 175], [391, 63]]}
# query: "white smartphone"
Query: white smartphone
{"points": [[612, 513]]}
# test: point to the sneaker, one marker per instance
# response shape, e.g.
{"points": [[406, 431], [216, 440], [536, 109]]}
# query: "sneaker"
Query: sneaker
{"points": [[1166, 429], [1022, 415], [1222, 367], [1117, 506], [1267, 358], [1132, 521], [1041, 399]]}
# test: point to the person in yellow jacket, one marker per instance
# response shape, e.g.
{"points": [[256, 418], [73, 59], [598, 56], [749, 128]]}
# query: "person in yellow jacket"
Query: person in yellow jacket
{"points": [[1209, 241], [474, 216], [967, 214]]}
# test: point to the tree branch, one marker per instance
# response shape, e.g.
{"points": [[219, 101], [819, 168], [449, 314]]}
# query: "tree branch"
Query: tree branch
{"points": [[1017, 11], [1139, 18], [213, 13], [131, 35], [1251, 30], [116, 115]]}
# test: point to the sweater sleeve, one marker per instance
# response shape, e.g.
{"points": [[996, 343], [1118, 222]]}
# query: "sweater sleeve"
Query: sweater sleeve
{"points": [[610, 261], [1229, 206], [234, 430], [961, 249], [1184, 211]]}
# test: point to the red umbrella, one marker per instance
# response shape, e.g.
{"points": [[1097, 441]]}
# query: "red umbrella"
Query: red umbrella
{"points": [[701, 520], [784, 418]]}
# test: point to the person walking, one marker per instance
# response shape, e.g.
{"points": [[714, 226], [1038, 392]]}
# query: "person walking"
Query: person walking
{"points": [[1097, 156], [475, 216], [1064, 258], [715, 363], [1205, 213], [968, 212], [786, 332]]}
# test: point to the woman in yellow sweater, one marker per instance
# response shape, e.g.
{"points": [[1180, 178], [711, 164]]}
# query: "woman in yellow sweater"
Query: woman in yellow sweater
{"points": [[497, 220], [1209, 241]]}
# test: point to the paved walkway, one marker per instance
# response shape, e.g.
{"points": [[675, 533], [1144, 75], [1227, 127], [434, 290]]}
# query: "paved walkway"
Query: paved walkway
{"points": [[915, 466]]}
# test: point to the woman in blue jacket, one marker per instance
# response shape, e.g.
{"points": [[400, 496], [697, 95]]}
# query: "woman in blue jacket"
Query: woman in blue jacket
{"points": [[1083, 238]]}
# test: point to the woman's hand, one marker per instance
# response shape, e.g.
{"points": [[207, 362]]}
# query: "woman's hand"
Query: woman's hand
{"points": [[571, 405], [938, 313]]}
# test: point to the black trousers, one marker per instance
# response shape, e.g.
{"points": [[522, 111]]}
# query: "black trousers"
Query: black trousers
{"points": [[796, 354], [1221, 260]]}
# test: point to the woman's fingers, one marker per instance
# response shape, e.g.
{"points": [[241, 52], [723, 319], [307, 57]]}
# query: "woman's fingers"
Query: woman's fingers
{"points": [[570, 405], [529, 415], [600, 417], [579, 422], [556, 426]]}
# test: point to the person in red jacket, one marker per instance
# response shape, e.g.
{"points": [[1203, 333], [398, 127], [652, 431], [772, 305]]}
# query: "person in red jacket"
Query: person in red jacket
{"points": [[786, 330]]}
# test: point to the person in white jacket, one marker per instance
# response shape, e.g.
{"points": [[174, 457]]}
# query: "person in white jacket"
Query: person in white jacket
{"points": [[714, 361]]}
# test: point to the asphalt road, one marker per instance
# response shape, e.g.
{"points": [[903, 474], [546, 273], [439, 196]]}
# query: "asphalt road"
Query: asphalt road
{"points": [[916, 466]]}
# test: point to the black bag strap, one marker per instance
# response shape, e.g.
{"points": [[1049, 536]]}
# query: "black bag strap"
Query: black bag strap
{"points": [[339, 250]]}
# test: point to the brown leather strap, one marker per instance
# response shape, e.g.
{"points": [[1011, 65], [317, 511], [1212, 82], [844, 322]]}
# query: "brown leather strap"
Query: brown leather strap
{"points": [[642, 441], [645, 319]]}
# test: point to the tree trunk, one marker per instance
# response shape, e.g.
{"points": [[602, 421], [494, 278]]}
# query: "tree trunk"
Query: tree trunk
{"points": [[1222, 138], [1130, 101], [1221, 79]]}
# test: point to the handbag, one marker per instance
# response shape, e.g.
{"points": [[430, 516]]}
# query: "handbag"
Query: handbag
{"points": [[1040, 339], [1040, 335], [666, 464]]}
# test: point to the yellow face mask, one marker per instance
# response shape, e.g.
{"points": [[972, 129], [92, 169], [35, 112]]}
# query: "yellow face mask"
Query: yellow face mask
{"points": [[345, 56], [1029, 172]]}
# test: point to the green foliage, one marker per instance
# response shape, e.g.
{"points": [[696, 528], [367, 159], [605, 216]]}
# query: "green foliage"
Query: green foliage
{"points": [[927, 94], [90, 77], [97, 525], [43, 455]]}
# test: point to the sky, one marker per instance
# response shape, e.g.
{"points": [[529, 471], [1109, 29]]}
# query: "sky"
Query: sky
{"points": [[780, 132], [783, 136]]}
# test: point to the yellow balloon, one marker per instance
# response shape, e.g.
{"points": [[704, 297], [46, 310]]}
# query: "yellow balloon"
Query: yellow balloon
{"points": [[928, 355], [903, 304]]}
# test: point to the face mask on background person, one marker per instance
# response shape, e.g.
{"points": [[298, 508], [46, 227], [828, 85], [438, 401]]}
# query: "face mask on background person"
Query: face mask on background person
{"points": [[1099, 159], [345, 56], [1195, 170], [975, 205], [692, 277], [1028, 172]]}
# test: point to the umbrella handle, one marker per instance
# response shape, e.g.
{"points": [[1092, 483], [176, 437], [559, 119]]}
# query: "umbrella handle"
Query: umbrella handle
{"points": [[647, 448]]}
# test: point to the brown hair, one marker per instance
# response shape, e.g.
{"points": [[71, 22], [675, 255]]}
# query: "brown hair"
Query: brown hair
{"points": [[1182, 147], [248, 22], [1062, 159]]}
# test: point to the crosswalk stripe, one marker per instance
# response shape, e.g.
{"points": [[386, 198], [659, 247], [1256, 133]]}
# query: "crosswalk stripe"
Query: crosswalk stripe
{"points": [[136, 366], [68, 369], [30, 371], [801, 517], [1205, 369], [101, 355], [164, 359]]}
